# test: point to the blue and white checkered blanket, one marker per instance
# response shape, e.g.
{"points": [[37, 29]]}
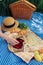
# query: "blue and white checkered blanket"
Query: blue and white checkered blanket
{"points": [[7, 57]]}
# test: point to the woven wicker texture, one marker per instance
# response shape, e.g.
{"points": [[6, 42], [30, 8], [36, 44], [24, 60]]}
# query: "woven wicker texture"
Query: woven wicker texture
{"points": [[22, 9]]}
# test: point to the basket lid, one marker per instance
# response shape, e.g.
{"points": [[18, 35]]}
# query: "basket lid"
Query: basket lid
{"points": [[32, 5], [26, 2]]}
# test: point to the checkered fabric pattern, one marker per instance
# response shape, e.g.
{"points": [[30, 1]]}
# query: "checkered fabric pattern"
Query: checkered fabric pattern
{"points": [[7, 57]]}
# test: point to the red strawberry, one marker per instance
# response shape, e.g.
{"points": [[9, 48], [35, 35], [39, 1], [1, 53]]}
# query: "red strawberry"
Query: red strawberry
{"points": [[20, 40], [20, 44]]}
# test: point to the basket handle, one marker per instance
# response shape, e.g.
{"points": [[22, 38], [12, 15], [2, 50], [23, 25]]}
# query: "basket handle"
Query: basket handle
{"points": [[22, 0]]}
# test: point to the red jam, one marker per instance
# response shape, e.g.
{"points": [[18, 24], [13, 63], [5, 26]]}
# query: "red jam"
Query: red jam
{"points": [[20, 44]]}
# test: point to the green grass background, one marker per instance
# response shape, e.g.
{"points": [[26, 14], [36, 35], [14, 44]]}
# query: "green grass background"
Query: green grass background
{"points": [[5, 11]]}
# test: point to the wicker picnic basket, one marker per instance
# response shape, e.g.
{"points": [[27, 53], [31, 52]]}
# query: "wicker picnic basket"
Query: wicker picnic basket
{"points": [[22, 9]]}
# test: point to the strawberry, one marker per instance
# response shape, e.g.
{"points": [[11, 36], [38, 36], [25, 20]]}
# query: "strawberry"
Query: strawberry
{"points": [[20, 44], [20, 40]]}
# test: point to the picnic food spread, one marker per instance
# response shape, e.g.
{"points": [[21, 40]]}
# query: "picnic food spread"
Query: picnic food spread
{"points": [[29, 45]]}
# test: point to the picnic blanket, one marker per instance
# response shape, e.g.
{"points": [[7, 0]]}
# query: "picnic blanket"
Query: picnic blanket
{"points": [[7, 57]]}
